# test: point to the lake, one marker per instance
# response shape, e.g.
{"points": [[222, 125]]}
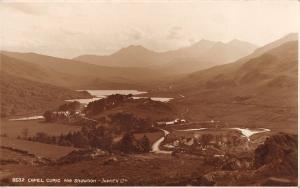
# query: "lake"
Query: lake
{"points": [[100, 94]]}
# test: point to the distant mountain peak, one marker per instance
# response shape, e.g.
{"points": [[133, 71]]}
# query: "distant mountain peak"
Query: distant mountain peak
{"points": [[136, 46], [203, 42], [238, 42], [134, 49], [235, 41]]}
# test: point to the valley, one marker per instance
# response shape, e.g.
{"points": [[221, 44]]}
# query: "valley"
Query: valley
{"points": [[231, 124]]}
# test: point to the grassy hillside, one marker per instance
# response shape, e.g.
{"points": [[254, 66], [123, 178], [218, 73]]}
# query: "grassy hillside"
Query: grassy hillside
{"points": [[14, 129], [253, 92], [24, 97], [275, 70], [38, 149], [77, 75]]}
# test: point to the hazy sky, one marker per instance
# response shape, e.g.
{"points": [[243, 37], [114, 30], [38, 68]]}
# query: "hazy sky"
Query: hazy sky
{"points": [[72, 28]]}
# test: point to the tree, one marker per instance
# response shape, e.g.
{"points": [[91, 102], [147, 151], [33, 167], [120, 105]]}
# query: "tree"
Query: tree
{"points": [[95, 142], [53, 140], [48, 116], [127, 143], [145, 144], [84, 130], [206, 138], [107, 141], [42, 137], [79, 140], [61, 139]]}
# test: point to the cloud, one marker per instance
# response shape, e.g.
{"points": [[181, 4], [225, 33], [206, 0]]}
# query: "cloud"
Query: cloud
{"points": [[192, 40], [219, 19], [175, 33], [23, 8], [135, 34], [70, 32]]}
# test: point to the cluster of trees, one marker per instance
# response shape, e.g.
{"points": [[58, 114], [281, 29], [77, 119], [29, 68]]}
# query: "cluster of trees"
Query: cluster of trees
{"points": [[72, 107], [63, 112], [54, 116], [129, 144], [125, 122], [85, 138], [97, 137], [44, 138], [111, 101], [48, 115], [69, 113]]}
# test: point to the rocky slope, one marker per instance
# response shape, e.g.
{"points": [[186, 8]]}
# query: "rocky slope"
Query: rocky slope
{"points": [[274, 164]]}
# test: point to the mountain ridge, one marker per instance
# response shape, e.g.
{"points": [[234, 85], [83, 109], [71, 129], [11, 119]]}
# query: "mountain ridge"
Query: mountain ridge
{"points": [[149, 58]]}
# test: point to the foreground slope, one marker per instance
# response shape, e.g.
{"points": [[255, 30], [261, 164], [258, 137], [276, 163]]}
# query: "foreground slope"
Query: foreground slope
{"points": [[274, 163]]}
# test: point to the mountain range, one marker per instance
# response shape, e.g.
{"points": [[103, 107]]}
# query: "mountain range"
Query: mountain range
{"points": [[196, 56]]}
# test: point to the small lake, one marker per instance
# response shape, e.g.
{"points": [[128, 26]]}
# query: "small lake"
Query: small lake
{"points": [[100, 94]]}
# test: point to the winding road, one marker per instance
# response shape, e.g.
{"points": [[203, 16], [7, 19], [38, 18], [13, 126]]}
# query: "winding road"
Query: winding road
{"points": [[155, 146]]}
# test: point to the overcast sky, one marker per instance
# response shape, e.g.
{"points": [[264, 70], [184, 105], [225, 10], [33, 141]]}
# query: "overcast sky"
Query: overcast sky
{"points": [[72, 28]]}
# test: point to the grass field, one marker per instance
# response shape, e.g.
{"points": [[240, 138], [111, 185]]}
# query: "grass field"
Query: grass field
{"points": [[39, 149], [16, 128]]}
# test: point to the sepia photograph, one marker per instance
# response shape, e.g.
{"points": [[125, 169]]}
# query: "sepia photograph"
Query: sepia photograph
{"points": [[149, 93]]}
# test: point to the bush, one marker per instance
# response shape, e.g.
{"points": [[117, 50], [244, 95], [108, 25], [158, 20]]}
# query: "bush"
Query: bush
{"points": [[145, 144], [127, 144], [48, 115]]}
